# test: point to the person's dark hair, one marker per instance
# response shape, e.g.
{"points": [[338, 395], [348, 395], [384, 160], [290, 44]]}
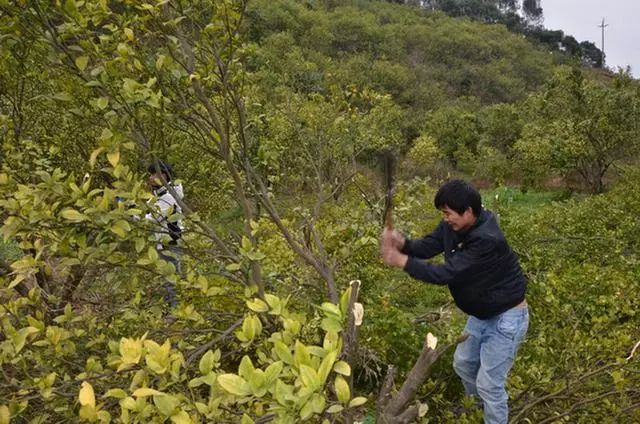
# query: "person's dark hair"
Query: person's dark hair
{"points": [[164, 167], [458, 195]]}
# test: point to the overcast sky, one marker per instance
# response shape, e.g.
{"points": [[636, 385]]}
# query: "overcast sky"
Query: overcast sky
{"points": [[581, 18]]}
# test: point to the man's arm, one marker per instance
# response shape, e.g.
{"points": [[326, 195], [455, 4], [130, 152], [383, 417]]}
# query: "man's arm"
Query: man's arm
{"points": [[426, 247], [460, 266]]}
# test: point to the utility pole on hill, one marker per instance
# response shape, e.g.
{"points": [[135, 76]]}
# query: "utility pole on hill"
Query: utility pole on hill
{"points": [[603, 26]]}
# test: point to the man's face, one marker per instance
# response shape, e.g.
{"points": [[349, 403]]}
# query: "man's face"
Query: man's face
{"points": [[155, 180], [456, 221]]}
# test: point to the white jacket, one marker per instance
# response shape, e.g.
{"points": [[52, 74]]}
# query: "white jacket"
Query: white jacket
{"points": [[164, 206]]}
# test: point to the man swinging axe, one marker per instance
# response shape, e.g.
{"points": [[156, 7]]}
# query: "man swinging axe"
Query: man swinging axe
{"points": [[486, 282]]}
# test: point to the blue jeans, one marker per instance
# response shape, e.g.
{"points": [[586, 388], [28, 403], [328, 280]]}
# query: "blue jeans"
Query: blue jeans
{"points": [[171, 255], [485, 358]]}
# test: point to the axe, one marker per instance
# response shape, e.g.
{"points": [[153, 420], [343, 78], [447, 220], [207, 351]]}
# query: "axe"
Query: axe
{"points": [[388, 180]]}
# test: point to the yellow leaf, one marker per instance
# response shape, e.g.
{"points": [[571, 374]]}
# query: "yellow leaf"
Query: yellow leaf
{"points": [[87, 397], [357, 401], [145, 391], [129, 33], [88, 412], [130, 350], [234, 384], [181, 418], [94, 156], [5, 415], [4, 179], [257, 305], [81, 62], [113, 158], [341, 367], [342, 389]]}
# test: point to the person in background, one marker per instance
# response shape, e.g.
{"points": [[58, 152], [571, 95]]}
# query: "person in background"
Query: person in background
{"points": [[169, 232], [485, 279]]}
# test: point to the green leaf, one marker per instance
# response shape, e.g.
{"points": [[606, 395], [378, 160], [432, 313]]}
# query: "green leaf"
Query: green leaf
{"points": [[234, 384], [202, 408], [301, 354], [166, 404], [102, 102], [128, 32], [20, 337], [256, 382], [318, 402], [73, 215], [160, 61], [246, 368], [146, 391], [334, 409], [326, 366], [283, 393], [140, 243], [331, 310], [116, 393], [344, 301], [307, 411], [309, 377], [357, 401], [246, 420], [251, 328], [104, 416], [341, 367], [233, 267], [331, 341], [342, 389], [121, 228], [331, 324], [206, 363], [274, 303], [257, 305], [273, 372], [128, 403], [152, 254], [81, 62], [181, 418], [106, 134], [283, 352], [317, 351]]}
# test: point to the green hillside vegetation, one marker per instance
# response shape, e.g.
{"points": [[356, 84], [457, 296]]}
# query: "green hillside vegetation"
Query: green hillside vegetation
{"points": [[275, 115], [423, 60]]}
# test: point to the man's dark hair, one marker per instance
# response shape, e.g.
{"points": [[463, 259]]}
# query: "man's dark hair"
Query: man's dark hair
{"points": [[164, 167], [458, 195]]}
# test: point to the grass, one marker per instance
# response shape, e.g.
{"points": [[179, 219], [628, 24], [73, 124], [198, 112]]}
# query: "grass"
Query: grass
{"points": [[515, 201]]}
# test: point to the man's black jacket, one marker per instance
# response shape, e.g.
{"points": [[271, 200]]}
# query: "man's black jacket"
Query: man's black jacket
{"points": [[481, 270]]}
